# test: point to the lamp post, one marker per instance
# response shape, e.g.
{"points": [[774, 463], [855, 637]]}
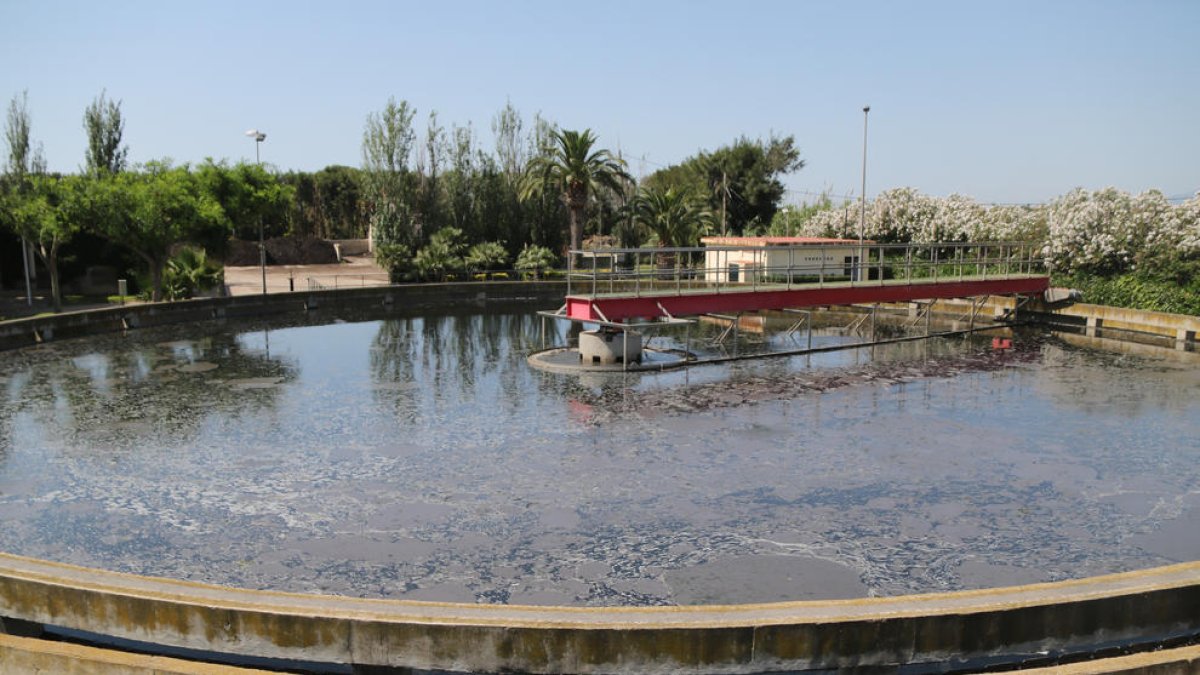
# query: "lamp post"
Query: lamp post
{"points": [[259, 137], [862, 212], [787, 223]]}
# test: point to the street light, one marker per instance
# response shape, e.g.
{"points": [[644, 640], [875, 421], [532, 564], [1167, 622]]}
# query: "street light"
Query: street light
{"points": [[862, 212], [259, 137], [787, 223]]}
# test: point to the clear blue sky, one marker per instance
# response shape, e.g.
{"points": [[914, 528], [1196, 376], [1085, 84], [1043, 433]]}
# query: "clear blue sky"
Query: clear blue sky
{"points": [[1005, 101]]}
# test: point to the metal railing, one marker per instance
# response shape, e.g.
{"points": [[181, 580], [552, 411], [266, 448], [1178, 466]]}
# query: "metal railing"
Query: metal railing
{"points": [[717, 269], [326, 281]]}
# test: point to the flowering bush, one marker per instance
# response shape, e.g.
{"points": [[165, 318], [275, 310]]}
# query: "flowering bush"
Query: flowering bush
{"points": [[1105, 232], [904, 215]]}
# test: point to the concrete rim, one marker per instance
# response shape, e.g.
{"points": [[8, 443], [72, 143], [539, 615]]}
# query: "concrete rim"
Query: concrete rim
{"points": [[13, 567]]}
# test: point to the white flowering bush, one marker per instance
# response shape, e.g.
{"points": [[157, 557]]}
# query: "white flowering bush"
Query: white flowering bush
{"points": [[1102, 232], [1121, 249]]}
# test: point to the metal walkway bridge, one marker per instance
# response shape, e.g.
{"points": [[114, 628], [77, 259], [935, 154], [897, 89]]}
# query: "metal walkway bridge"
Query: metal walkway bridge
{"points": [[615, 286]]}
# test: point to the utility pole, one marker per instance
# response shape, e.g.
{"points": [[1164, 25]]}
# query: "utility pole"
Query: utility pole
{"points": [[862, 213], [259, 137]]}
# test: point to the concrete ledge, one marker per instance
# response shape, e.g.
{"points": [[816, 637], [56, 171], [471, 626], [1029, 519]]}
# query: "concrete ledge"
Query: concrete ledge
{"points": [[28, 655], [1014, 623], [409, 297], [1181, 661], [1181, 327]]}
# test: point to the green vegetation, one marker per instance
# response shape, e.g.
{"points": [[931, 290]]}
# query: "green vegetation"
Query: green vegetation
{"points": [[442, 256], [576, 172], [439, 206], [740, 182], [189, 272], [535, 260]]}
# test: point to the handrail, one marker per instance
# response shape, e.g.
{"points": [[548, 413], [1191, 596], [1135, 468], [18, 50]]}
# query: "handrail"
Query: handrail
{"points": [[679, 270]]}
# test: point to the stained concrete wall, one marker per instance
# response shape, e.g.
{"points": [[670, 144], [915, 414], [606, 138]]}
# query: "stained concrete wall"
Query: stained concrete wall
{"points": [[1180, 661], [408, 298], [1017, 622], [1092, 318], [26, 655]]}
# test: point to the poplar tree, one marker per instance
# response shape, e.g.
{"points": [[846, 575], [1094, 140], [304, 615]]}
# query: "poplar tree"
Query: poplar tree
{"points": [[387, 143], [31, 203], [105, 127]]}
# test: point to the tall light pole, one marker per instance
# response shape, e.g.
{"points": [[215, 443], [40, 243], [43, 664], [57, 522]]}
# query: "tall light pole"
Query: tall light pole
{"points": [[259, 137], [787, 223], [862, 212]]}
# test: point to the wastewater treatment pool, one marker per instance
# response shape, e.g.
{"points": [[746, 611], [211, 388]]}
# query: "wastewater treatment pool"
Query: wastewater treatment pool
{"points": [[420, 457]]}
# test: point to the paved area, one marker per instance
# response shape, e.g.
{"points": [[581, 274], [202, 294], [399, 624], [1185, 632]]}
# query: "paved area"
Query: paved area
{"points": [[353, 271]]}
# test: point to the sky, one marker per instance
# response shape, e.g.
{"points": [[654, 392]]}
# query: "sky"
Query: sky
{"points": [[1006, 102]]}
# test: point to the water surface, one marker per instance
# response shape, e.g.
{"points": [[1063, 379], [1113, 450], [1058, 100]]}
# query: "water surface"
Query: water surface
{"points": [[422, 458]]}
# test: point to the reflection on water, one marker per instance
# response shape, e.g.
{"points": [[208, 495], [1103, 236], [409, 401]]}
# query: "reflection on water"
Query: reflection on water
{"points": [[420, 457]]}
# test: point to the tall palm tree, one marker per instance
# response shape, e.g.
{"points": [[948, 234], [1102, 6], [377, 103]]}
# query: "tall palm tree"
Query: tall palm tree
{"points": [[676, 217], [573, 169]]}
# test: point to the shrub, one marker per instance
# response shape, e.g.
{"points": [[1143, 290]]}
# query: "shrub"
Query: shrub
{"points": [[396, 259], [535, 259]]}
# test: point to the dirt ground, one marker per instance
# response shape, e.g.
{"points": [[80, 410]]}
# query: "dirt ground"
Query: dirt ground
{"points": [[352, 271]]}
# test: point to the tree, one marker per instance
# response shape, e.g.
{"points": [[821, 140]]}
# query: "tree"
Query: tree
{"points": [[151, 211], [41, 215], [675, 217], [741, 180], [248, 195], [16, 133], [387, 143], [104, 126], [506, 127], [21, 162], [574, 170]]}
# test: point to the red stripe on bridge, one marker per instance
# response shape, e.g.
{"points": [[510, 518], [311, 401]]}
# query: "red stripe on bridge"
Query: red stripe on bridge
{"points": [[616, 308]]}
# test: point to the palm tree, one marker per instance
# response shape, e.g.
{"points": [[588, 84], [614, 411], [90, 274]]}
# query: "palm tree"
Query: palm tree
{"points": [[573, 169], [674, 216]]}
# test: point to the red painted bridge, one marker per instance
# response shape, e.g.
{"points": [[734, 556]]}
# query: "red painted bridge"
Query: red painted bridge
{"points": [[759, 273], [619, 307]]}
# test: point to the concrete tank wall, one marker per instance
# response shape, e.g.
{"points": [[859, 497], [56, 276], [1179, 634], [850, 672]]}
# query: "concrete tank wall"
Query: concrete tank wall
{"points": [[1015, 623]]}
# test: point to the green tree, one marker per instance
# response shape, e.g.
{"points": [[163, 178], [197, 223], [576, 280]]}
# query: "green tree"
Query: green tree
{"points": [[741, 180], [576, 171], [676, 218], [151, 211], [21, 161], [42, 215], [430, 214], [387, 144], [506, 127], [105, 127], [337, 204], [248, 195]]}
